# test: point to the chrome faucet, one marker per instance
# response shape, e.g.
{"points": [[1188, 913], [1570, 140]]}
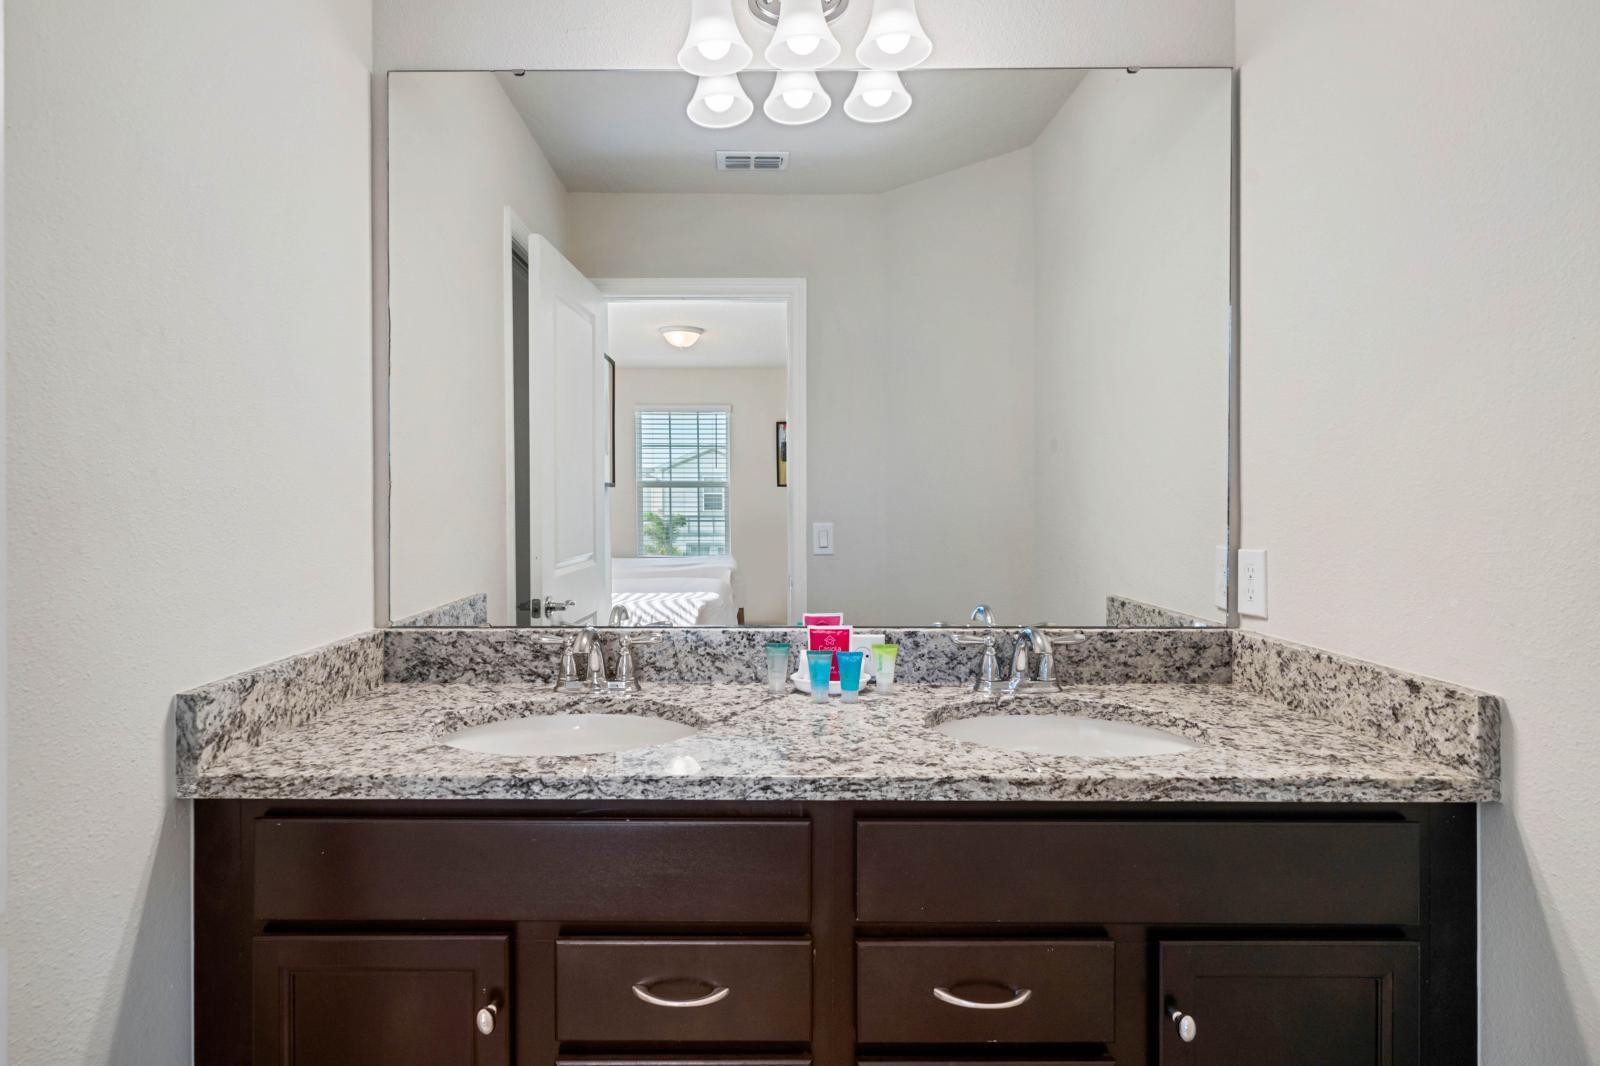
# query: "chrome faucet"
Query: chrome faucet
{"points": [[587, 643], [619, 617], [982, 615], [627, 674], [1035, 640], [989, 670]]}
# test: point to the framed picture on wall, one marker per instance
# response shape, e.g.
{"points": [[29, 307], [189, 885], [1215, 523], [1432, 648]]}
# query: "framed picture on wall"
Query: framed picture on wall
{"points": [[783, 455], [611, 423]]}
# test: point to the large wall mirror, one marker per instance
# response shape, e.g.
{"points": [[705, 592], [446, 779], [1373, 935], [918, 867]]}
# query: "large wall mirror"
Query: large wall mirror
{"points": [[642, 368]]}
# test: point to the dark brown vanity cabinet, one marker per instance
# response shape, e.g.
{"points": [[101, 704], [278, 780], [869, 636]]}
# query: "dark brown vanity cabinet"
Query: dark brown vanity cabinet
{"points": [[539, 933], [380, 1000], [1265, 1004]]}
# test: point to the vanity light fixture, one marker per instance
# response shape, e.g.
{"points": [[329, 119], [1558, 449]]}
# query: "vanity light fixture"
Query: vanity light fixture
{"points": [[878, 96], [803, 40], [682, 336], [720, 103], [714, 45], [797, 98], [895, 39]]}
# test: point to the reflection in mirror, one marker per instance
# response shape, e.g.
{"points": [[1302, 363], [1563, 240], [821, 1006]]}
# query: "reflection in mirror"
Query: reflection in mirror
{"points": [[647, 372]]}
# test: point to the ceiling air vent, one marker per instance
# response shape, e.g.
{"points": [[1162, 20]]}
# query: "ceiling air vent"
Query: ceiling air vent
{"points": [[752, 160]]}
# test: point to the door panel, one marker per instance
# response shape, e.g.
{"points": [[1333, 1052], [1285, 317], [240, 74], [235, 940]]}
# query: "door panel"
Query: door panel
{"points": [[380, 1000], [1266, 1004], [566, 348]]}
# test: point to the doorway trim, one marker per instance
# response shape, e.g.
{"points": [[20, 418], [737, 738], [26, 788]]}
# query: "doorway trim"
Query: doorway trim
{"points": [[793, 292], [515, 234]]}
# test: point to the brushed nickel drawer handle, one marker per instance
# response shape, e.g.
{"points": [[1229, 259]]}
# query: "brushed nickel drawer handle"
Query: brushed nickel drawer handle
{"points": [[1022, 996], [716, 996]]}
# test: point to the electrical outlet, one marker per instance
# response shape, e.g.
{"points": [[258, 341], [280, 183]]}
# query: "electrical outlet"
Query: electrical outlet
{"points": [[1253, 582], [822, 538], [1219, 579]]}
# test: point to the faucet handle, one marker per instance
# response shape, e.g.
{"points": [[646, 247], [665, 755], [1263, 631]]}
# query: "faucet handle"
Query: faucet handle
{"points": [[627, 673], [989, 670]]}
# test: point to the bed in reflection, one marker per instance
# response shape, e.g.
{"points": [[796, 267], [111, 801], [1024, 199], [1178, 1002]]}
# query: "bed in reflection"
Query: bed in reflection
{"points": [[704, 590]]}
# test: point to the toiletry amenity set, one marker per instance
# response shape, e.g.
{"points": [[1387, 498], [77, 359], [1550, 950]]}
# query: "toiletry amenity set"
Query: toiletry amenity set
{"points": [[838, 661]]}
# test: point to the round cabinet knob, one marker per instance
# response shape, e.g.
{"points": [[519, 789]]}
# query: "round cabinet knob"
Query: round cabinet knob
{"points": [[486, 1019], [1185, 1024]]}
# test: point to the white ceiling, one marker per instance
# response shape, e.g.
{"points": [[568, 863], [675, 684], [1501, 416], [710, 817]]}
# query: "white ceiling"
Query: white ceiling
{"points": [[625, 131], [739, 333]]}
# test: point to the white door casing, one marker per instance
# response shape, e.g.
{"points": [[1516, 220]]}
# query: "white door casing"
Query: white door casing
{"points": [[566, 349]]}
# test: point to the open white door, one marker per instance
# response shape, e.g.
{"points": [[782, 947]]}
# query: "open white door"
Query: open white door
{"points": [[566, 349]]}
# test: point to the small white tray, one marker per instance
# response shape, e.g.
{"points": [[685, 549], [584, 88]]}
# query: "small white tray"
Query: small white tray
{"points": [[802, 681]]}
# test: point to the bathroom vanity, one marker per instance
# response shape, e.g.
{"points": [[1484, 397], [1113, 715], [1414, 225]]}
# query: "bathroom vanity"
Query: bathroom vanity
{"points": [[833, 884]]}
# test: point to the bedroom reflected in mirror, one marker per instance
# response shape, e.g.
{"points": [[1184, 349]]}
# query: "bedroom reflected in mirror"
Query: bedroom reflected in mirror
{"points": [[648, 371]]}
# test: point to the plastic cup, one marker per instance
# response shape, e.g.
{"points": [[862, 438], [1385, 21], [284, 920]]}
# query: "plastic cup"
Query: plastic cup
{"points": [[777, 668], [850, 674], [819, 667]]}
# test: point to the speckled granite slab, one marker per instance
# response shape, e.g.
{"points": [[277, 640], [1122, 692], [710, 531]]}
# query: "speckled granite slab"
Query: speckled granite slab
{"points": [[388, 744], [238, 711], [713, 656], [1275, 722], [1124, 611], [467, 611], [1439, 721]]}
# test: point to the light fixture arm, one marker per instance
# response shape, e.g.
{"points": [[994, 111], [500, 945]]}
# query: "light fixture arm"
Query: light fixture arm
{"points": [[767, 10]]}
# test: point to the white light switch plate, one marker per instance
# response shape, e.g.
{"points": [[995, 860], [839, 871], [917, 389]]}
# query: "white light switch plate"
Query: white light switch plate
{"points": [[822, 538], [1253, 582]]}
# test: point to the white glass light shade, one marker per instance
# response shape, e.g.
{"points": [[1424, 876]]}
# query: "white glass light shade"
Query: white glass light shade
{"points": [[895, 39], [681, 336], [803, 40], [797, 98], [720, 103], [714, 46], [878, 96]]}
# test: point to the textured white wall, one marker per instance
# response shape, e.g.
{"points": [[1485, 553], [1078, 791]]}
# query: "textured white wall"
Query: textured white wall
{"points": [[190, 490], [1421, 255], [459, 155], [1132, 192], [957, 475], [758, 509], [557, 34]]}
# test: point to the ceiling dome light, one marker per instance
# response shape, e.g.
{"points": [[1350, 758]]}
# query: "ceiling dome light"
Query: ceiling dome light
{"points": [[720, 103], [894, 40], [797, 98], [682, 336], [803, 40], [714, 46], [878, 96]]}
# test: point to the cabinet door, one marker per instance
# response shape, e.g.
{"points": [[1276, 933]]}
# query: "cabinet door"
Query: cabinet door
{"points": [[381, 1001], [1270, 1003]]}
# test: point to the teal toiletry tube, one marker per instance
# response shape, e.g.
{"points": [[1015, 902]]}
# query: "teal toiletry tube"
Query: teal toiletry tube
{"points": [[850, 674], [883, 657], [819, 667], [777, 668]]}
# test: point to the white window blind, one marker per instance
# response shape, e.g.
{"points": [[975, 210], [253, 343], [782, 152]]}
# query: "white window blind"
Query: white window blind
{"points": [[682, 462]]}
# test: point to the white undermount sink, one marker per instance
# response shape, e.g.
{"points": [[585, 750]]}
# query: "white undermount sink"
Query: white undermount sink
{"points": [[569, 734], [1063, 734]]}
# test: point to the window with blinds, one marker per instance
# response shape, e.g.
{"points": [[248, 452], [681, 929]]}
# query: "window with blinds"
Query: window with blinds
{"points": [[682, 464]]}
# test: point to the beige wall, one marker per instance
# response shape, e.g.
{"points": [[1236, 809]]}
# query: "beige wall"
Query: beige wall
{"points": [[835, 243], [459, 155], [1421, 255], [189, 254], [1131, 185], [758, 518]]}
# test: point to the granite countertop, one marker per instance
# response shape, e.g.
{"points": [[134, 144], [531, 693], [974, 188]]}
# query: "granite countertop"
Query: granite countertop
{"points": [[387, 743]]}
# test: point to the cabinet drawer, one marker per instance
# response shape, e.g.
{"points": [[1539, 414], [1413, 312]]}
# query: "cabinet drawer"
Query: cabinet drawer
{"points": [[984, 991], [532, 869], [1041, 872], [683, 990]]}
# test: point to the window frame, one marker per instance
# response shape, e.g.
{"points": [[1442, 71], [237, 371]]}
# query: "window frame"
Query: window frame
{"points": [[639, 483]]}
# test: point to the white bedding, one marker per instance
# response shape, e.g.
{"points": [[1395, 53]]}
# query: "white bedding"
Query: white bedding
{"points": [[677, 591]]}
